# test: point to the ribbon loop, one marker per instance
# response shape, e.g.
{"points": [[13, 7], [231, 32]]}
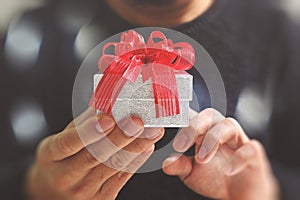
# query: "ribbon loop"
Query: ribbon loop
{"points": [[157, 60]]}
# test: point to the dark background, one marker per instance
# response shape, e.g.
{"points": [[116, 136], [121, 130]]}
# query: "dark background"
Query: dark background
{"points": [[42, 44]]}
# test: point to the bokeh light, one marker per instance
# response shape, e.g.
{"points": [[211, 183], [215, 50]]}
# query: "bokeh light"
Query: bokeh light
{"points": [[22, 45], [253, 110], [28, 121]]}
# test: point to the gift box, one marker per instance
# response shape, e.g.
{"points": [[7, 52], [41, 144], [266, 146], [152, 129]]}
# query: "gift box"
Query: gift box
{"points": [[138, 99], [145, 79]]}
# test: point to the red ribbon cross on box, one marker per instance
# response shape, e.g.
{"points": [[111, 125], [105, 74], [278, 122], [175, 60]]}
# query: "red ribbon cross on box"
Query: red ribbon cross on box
{"points": [[156, 60]]}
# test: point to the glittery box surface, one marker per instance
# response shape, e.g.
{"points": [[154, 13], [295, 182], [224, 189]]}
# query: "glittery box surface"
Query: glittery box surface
{"points": [[138, 99]]}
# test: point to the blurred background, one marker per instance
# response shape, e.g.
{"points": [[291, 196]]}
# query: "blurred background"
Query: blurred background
{"points": [[25, 40], [12, 9], [23, 37]]}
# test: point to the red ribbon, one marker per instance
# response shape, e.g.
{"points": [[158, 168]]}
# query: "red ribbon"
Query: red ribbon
{"points": [[156, 60]]}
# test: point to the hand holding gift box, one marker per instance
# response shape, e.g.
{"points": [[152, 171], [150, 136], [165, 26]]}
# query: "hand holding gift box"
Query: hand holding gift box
{"points": [[146, 79]]}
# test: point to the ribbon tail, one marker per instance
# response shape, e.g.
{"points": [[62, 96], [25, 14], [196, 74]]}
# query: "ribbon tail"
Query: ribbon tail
{"points": [[109, 88], [165, 91]]}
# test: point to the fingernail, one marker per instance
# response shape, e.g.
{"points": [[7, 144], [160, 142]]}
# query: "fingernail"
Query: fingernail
{"points": [[202, 152], [152, 133], [104, 124], [130, 127], [149, 150], [181, 142], [170, 160]]}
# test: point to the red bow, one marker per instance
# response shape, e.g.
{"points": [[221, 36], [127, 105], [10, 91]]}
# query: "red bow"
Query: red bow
{"points": [[155, 60]]}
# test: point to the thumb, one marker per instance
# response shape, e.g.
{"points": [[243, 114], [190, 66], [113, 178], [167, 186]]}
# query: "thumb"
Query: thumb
{"points": [[178, 165]]}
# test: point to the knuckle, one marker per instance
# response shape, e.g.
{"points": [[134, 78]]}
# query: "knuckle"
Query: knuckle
{"points": [[90, 158], [232, 122], [206, 114], [207, 118], [138, 146], [122, 176], [250, 150], [209, 110], [240, 156], [96, 154], [244, 154], [137, 163], [229, 124], [63, 144], [228, 121], [118, 161], [257, 146], [101, 173], [233, 125]]}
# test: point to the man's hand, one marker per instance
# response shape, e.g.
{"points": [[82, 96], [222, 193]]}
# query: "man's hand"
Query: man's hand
{"points": [[226, 165], [66, 169]]}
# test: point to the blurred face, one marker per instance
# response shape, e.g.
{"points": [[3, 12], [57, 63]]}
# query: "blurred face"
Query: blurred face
{"points": [[165, 13], [154, 2]]}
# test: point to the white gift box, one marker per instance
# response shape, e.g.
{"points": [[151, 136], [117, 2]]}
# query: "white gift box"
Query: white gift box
{"points": [[138, 99]]}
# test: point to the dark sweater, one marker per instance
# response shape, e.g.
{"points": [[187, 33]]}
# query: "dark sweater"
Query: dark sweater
{"points": [[252, 44]]}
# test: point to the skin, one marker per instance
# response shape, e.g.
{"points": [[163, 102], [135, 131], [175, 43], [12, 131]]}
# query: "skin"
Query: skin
{"points": [[164, 14], [227, 164], [65, 169]]}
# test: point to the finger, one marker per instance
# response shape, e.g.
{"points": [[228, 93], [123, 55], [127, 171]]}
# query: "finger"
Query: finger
{"points": [[234, 135], [82, 117], [72, 140], [84, 160], [123, 157], [199, 125], [151, 133], [123, 160], [100, 151], [248, 155], [113, 185], [133, 166], [92, 181], [226, 132], [178, 165], [117, 162], [142, 143], [123, 134]]}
